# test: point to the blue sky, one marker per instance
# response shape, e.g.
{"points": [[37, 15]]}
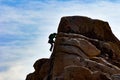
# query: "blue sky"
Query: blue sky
{"points": [[26, 24]]}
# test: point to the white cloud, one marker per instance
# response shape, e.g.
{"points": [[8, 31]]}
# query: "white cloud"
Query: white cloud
{"points": [[16, 70], [12, 14]]}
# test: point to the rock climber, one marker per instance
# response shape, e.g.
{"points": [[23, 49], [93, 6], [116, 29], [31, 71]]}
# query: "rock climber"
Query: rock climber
{"points": [[51, 40]]}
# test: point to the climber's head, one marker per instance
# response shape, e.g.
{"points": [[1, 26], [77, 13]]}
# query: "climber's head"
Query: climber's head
{"points": [[54, 33]]}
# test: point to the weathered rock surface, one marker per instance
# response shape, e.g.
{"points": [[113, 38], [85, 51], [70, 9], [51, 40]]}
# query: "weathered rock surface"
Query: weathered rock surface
{"points": [[41, 70], [85, 49]]}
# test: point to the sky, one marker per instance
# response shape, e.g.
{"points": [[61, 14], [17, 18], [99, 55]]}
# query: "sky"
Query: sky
{"points": [[26, 24]]}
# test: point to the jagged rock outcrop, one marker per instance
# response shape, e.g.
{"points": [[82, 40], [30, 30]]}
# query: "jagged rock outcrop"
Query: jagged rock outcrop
{"points": [[84, 49]]}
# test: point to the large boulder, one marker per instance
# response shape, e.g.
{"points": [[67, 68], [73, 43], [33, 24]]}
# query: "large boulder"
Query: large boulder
{"points": [[41, 70], [91, 28], [73, 44], [77, 73], [84, 49], [97, 75]]}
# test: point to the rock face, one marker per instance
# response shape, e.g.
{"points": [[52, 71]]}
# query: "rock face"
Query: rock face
{"points": [[84, 49]]}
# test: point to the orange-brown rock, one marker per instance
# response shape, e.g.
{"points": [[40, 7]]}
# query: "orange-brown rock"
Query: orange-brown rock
{"points": [[41, 70], [84, 49], [91, 28], [97, 75], [77, 73]]}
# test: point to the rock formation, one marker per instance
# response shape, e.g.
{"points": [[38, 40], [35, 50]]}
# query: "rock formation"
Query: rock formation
{"points": [[84, 49]]}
